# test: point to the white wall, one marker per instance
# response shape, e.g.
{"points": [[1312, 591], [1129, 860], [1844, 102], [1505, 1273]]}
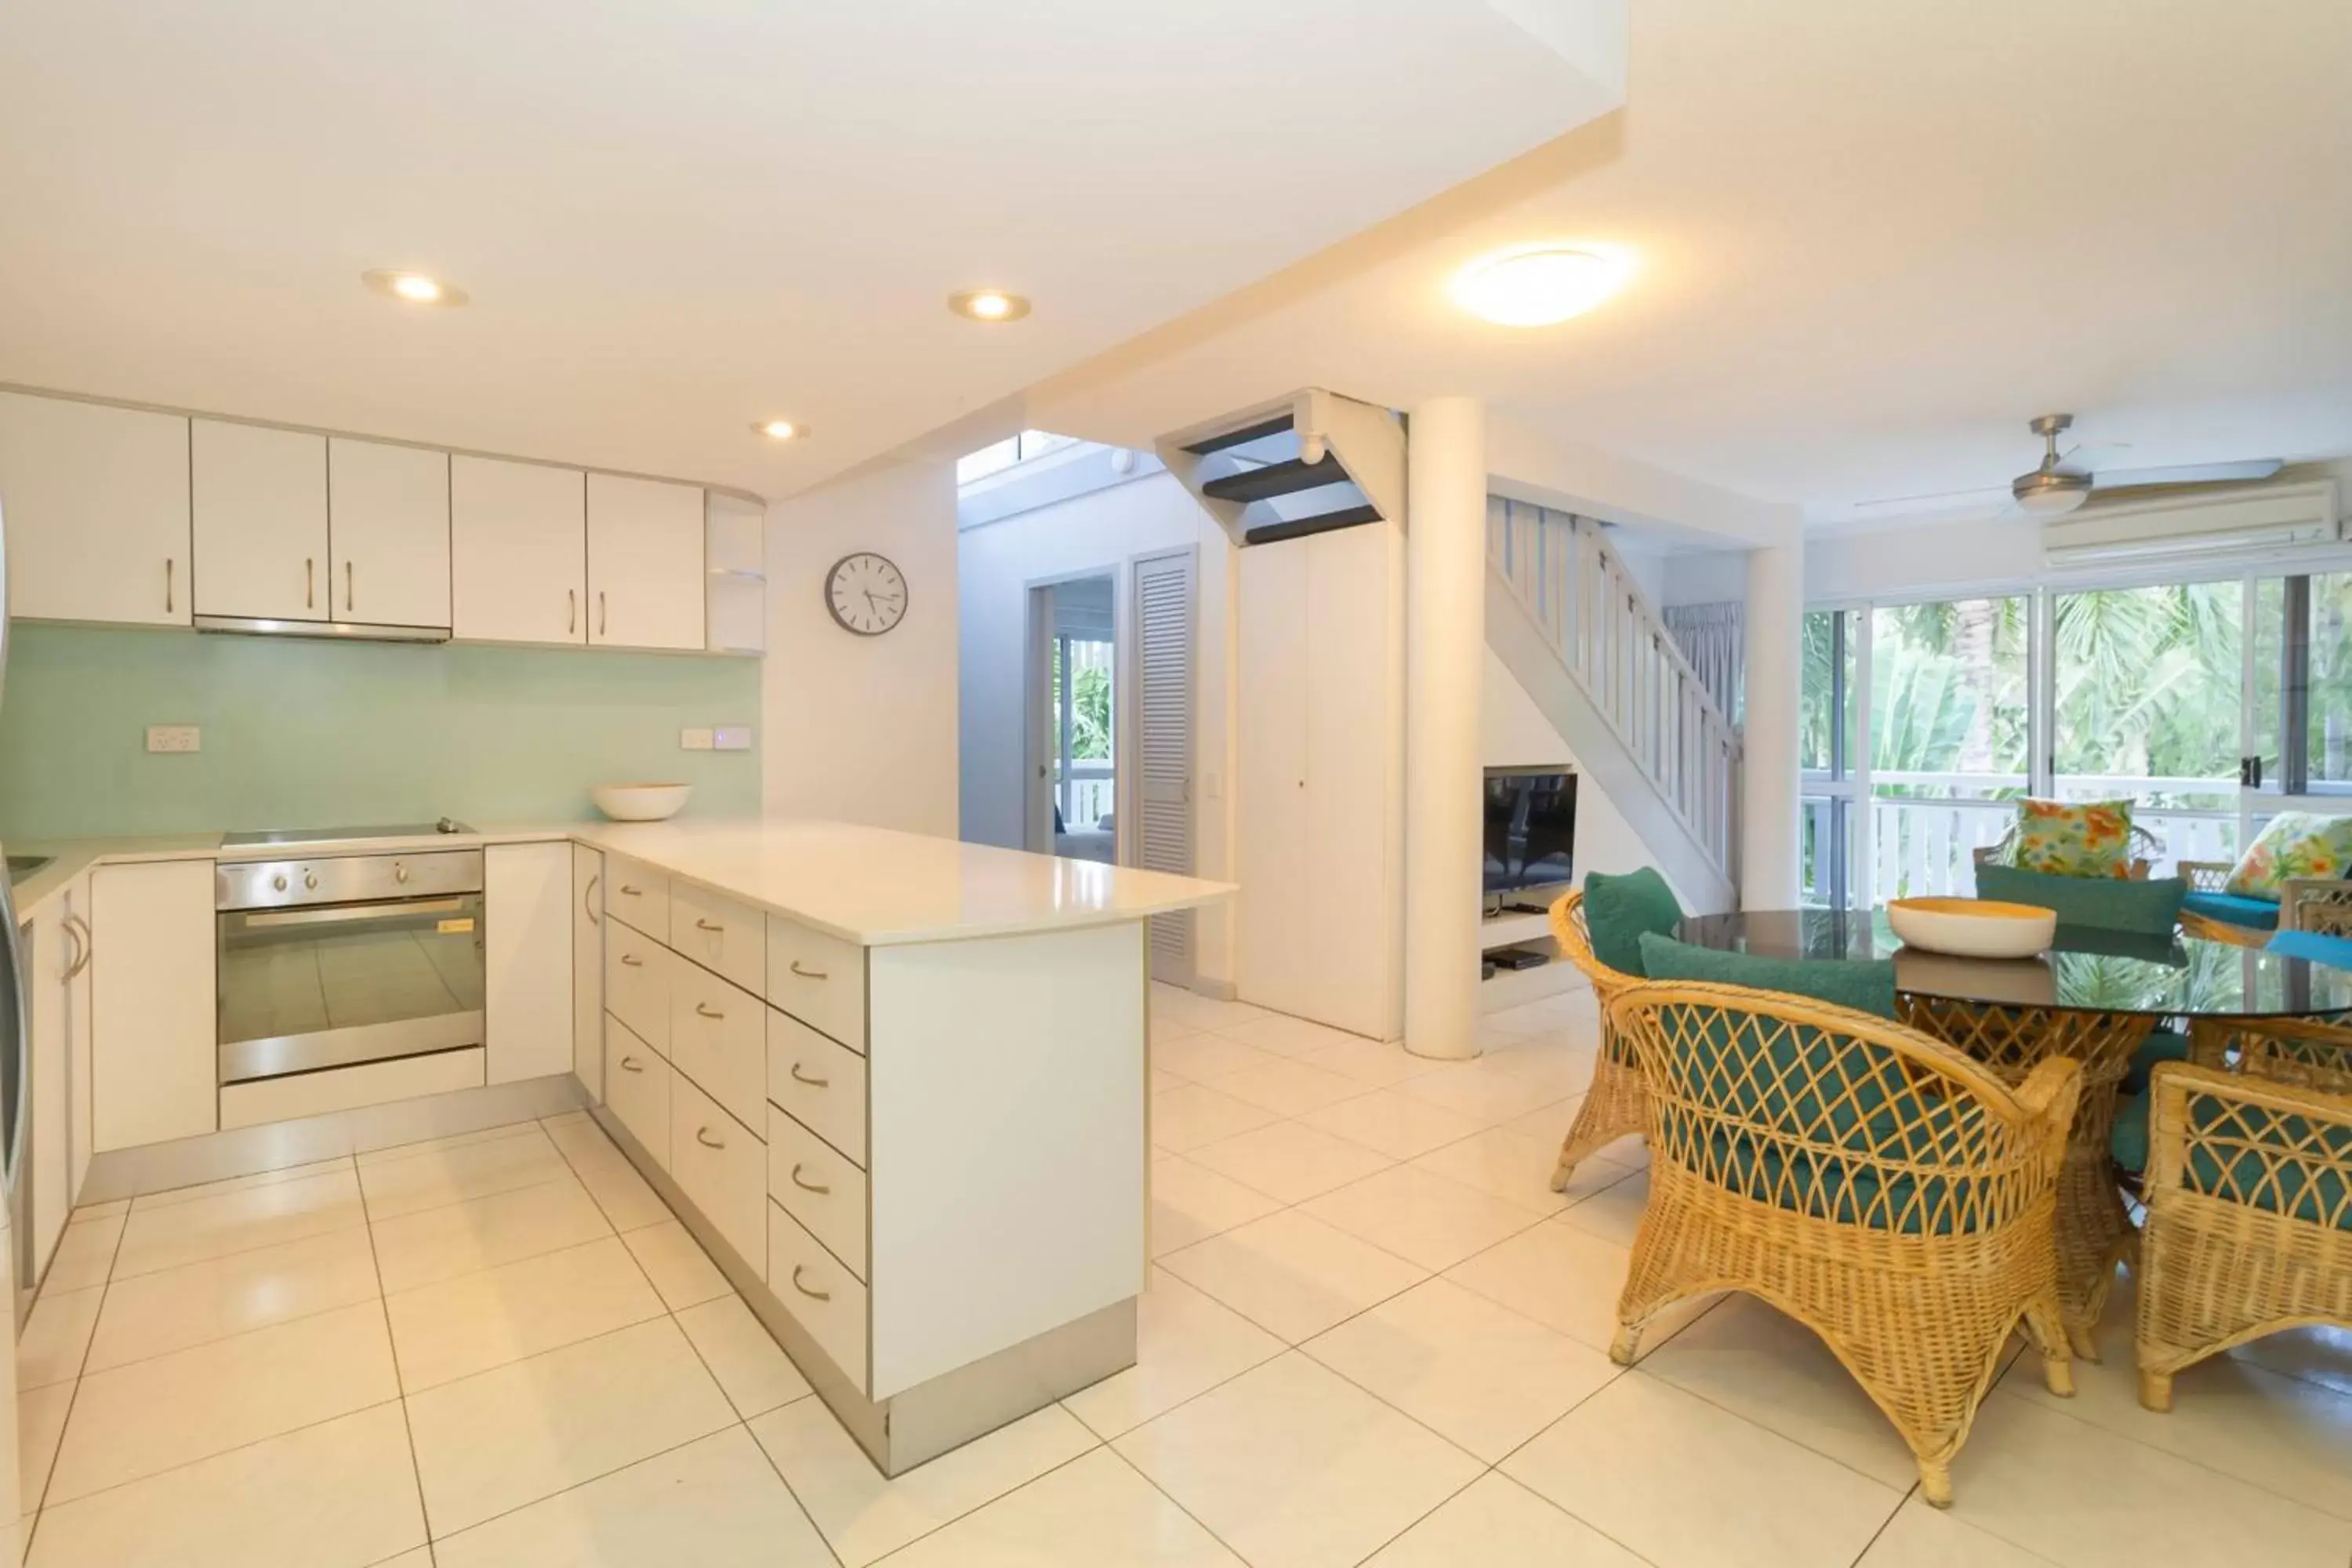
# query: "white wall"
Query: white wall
{"points": [[864, 728]]}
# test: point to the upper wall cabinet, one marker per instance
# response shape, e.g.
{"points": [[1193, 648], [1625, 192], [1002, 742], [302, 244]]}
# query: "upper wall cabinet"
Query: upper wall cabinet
{"points": [[518, 552], [645, 563], [95, 501], [260, 508], [388, 520]]}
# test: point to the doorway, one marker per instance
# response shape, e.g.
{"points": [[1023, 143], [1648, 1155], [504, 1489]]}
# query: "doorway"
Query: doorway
{"points": [[1073, 729]]}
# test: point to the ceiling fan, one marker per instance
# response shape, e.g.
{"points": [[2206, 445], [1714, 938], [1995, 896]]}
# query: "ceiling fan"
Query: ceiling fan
{"points": [[2057, 485]]}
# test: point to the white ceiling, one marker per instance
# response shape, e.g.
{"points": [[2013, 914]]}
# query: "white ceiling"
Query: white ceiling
{"points": [[1877, 235], [678, 218]]}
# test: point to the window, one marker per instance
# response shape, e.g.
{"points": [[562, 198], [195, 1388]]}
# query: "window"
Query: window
{"points": [[999, 456]]}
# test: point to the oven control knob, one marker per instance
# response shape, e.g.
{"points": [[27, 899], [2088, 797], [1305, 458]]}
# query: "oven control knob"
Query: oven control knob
{"points": [[399, 873], [309, 878], [279, 881]]}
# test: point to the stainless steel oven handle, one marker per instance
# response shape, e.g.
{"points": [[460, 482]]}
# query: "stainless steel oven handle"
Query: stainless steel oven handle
{"points": [[343, 914]]}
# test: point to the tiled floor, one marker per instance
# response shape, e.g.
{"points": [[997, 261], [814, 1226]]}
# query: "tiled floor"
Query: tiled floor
{"points": [[1373, 1335]]}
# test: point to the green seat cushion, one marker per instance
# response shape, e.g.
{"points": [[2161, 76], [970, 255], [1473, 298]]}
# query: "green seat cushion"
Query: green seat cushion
{"points": [[2106, 903], [2235, 1161], [1618, 910], [2128, 1141], [2229, 909], [1865, 984], [2161, 1046]]}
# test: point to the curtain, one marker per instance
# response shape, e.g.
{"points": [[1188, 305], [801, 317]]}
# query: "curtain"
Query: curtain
{"points": [[1713, 638]]}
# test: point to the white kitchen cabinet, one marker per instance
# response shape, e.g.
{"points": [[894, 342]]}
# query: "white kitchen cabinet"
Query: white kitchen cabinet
{"points": [[78, 1026], [96, 506], [588, 970], [49, 952], [259, 505], [388, 524], [518, 552], [153, 1054], [646, 576], [527, 960]]}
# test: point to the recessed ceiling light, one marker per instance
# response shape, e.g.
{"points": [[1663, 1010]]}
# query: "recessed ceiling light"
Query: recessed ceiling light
{"points": [[1539, 285], [988, 305], [412, 288], [780, 429]]}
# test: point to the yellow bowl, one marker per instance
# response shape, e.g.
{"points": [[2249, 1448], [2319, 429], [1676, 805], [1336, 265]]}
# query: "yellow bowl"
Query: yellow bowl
{"points": [[1973, 928]]}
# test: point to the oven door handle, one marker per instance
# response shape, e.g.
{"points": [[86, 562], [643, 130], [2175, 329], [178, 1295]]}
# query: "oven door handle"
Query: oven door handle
{"points": [[340, 914]]}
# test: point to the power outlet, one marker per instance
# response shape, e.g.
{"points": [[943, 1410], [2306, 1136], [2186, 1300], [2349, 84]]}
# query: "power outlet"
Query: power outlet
{"points": [[174, 738], [694, 740], [732, 737]]}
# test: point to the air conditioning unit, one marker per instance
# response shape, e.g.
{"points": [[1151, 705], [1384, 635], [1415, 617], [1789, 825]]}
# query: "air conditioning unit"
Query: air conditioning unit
{"points": [[2196, 527]]}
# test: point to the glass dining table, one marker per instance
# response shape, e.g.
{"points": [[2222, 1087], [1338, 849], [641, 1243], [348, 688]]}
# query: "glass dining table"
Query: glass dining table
{"points": [[2094, 996]]}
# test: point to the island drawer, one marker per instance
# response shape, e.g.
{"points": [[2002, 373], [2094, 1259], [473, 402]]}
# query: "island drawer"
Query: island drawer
{"points": [[818, 979], [818, 1186], [722, 935], [638, 1087], [718, 1038], [820, 1081], [636, 984], [720, 1168], [825, 1297], [637, 894]]}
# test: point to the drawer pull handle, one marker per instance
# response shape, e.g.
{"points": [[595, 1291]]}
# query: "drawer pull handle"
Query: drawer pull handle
{"points": [[800, 1077], [632, 960], [633, 892], [808, 973], [631, 1064], [704, 1009], [702, 1136], [813, 1295], [701, 924], [809, 1186]]}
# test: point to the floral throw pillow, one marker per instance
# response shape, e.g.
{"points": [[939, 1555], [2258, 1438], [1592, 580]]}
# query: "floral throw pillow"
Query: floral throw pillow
{"points": [[2073, 838], [2292, 844]]}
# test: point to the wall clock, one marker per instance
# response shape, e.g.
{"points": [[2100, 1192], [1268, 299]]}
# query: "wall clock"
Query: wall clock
{"points": [[866, 594]]}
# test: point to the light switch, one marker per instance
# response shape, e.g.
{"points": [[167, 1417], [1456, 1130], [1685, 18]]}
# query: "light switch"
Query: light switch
{"points": [[734, 737], [694, 740], [174, 738]]}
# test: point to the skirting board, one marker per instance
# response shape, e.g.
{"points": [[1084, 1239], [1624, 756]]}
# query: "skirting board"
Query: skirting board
{"points": [[920, 1423]]}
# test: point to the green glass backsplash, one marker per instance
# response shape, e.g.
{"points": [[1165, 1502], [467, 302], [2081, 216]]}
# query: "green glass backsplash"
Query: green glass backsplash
{"points": [[313, 734]]}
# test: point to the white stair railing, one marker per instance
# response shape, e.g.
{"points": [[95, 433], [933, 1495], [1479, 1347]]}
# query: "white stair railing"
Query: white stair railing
{"points": [[1620, 651]]}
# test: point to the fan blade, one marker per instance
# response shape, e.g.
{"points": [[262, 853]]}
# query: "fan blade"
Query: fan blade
{"points": [[2186, 474], [1983, 492]]}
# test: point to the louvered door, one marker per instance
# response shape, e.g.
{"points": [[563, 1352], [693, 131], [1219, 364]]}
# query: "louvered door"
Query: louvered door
{"points": [[1163, 750]]}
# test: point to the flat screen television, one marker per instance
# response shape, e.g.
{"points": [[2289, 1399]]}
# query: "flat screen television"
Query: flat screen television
{"points": [[1530, 828]]}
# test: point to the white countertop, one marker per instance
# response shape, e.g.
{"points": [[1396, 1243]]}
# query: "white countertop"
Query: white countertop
{"points": [[866, 885]]}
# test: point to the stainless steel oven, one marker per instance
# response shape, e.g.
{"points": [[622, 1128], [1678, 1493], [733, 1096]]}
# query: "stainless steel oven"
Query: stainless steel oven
{"points": [[338, 960]]}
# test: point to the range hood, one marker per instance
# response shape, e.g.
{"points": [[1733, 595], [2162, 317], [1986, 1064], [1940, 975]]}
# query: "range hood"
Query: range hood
{"points": [[331, 631]]}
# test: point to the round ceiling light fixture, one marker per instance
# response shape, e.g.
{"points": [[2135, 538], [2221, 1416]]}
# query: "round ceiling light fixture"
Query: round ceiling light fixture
{"points": [[412, 288], [780, 429], [988, 305], [1542, 284]]}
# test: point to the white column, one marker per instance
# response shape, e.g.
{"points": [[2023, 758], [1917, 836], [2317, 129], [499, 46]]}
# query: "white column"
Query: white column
{"points": [[1445, 652], [1768, 784]]}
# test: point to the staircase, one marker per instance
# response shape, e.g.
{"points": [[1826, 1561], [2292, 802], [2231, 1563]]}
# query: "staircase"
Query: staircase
{"points": [[1310, 462]]}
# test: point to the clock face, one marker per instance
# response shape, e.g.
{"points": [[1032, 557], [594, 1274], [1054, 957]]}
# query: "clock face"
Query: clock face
{"points": [[866, 594]]}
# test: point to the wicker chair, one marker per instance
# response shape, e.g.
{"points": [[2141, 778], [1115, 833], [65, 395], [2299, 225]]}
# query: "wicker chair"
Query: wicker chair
{"points": [[1885, 1191], [2305, 903], [1612, 1105], [2249, 1192]]}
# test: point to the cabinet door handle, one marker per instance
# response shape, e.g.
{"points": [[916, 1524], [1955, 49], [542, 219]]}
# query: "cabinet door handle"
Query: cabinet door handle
{"points": [[79, 931], [704, 1009], [701, 924], [588, 902], [167, 585], [800, 1077], [632, 960], [631, 1064], [702, 1136], [813, 1295], [809, 1186], [349, 573], [310, 582], [632, 892], [808, 973], [571, 610], [600, 612]]}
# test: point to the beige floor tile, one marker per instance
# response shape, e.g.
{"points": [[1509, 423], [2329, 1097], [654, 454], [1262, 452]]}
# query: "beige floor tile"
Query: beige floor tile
{"points": [[1478, 1374], [1190, 1116], [627, 1200], [862, 1516], [1569, 1281], [455, 1175], [455, 1328], [1186, 1343], [85, 1253], [1093, 1512], [238, 1221], [1294, 1467], [1551, 1123], [172, 1308], [1190, 1204], [1193, 1011], [1199, 1057], [172, 1195], [2319, 1353], [1421, 1218], [1163, 1081], [1292, 1275], [151, 1415], [420, 1558], [55, 1340], [754, 1373], [454, 1140], [1495, 1522], [108, 1210], [1289, 1161], [676, 1264], [338, 1494], [1287, 1088], [461, 1238], [2028, 1470], [715, 1502], [1919, 1536], [1391, 1123], [1376, 1064], [40, 1426], [1502, 1164], [1612, 1212], [1285, 1035], [1628, 1461], [1490, 1091], [495, 1441]]}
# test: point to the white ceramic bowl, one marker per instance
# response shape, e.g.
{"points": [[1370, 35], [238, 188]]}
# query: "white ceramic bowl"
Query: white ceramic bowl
{"points": [[1972, 928], [640, 802]]}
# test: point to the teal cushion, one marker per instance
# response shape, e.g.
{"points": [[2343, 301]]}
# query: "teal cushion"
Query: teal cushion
{"points": [[2229, 909], [2128, 1141], [2335, 951], [2255, 1176], [1865, 984], [1618, 910], [2161, 1046], [2107, 903]]}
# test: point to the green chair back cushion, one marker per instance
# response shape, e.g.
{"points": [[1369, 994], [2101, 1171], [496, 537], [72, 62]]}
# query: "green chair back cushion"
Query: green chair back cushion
{"points": [[2161, 1045], [1866, 985], [2110, 903], [1618, 910], [2128, 1139]]}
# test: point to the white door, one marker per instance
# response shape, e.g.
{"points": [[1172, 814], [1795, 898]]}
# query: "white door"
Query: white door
{"points": [[388, 522], [153, 1051], [1271, 802], [1162, 838], [259, 500], [527, 960], [646, 578], [588, 970], [518, 552], [96, 500], [1349, 896]]}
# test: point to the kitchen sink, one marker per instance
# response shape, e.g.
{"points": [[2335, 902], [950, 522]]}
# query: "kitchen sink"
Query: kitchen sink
{"points": [[23, 866]]}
